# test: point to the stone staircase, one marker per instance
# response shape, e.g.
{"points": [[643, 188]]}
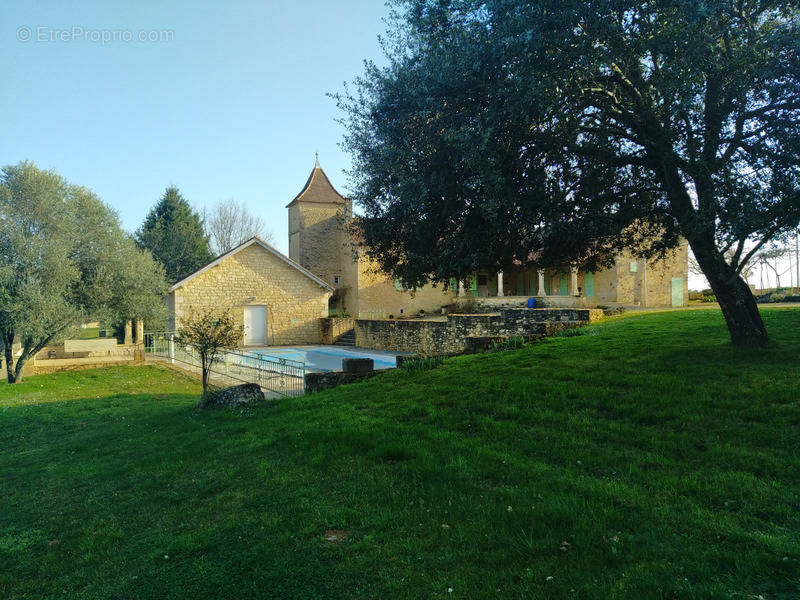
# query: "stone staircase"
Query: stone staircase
{"points": [[347, 339]]}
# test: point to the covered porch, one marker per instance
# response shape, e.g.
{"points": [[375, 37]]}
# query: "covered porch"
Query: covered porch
{"points": [[562, 288]]}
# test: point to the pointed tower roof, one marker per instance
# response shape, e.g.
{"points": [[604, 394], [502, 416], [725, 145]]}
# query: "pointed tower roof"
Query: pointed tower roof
{"points": [[318, 189]]}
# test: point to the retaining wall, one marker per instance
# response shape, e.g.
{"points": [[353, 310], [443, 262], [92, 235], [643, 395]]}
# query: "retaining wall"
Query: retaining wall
{"points": [[456, 333]]}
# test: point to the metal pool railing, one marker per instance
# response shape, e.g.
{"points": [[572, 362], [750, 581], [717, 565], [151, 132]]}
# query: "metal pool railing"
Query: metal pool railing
{"points": [[279, 376]]}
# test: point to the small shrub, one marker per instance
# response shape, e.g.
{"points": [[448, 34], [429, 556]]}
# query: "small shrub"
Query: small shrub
{"points": [[422, 364], [515, 342], [576, 332], [469, 306], [542, 302]]}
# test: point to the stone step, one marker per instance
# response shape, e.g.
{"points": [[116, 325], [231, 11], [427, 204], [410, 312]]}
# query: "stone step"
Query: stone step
{"points": [[347, 339]]}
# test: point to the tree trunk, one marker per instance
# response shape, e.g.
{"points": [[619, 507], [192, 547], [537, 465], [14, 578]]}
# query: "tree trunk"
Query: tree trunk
{"points": [[205, 374], [9, 356], [734, 296], [21, 361]]}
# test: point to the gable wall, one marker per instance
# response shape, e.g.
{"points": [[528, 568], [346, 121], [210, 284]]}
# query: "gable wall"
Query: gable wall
{"points": [[378, 298], [255, 276], [630, 286]]}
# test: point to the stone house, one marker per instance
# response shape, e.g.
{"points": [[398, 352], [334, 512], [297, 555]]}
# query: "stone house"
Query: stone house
{"points": [[281, 299], [276, 300], [319, 240]]}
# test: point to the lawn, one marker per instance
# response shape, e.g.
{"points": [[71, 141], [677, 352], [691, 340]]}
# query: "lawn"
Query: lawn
{"points": [[645, 459]]}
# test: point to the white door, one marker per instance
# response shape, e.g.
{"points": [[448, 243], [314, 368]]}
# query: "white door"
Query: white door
{"points": [[255, 325]]}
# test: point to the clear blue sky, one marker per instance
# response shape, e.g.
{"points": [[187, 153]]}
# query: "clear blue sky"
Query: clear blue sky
{"points": [[231, 104]]}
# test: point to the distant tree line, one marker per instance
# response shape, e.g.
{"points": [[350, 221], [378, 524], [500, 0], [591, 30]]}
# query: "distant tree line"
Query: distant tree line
{"points": [[183, 240]]}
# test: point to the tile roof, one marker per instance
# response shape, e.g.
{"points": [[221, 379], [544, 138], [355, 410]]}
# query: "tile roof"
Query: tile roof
{"points": [[318, 189]]}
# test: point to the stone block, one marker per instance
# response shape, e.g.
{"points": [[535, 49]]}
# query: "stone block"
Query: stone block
{"points": [[358, 365], [245, 395], [316, 382], [98, 346]]}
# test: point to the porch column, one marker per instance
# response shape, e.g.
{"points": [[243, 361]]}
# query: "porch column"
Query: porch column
{"points": [[460, 289], [128, 333], [541, 291], [573, 281], [139, 331], [500, 284]]}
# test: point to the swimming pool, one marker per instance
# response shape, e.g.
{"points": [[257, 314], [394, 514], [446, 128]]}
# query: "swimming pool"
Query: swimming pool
{"points": [[329, 358]]}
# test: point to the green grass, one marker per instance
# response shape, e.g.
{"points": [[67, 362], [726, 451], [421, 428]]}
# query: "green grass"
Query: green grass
{"points": [[668, 461], [89, 333]]}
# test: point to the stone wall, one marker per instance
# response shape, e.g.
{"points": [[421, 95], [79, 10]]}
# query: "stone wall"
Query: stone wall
{"points": [[255, 276], [630, 283], [316, 382], [335, 327], [453, 335]]}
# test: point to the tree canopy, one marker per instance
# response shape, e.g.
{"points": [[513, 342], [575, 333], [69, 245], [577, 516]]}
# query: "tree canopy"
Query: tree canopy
{"points": [[64, 258], [210, 333], [231, 223], [505, 133], [175, 235]]}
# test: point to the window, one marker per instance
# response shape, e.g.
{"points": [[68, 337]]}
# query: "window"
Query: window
{"points": [[634, 266], [336, 280]]}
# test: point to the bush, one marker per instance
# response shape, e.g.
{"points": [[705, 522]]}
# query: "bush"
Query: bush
{"points": [[422, 364], [578, 331], [779, 295], [515, 342], [542, 302], [470, 306]]}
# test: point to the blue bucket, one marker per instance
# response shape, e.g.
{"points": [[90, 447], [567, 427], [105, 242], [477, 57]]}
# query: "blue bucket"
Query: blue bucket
{"points": [[531, 302]]}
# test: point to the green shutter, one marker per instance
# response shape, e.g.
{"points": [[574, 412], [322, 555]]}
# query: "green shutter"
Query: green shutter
{"points": [[563, 290], [589, 284], [676, 291], [453, 284]]}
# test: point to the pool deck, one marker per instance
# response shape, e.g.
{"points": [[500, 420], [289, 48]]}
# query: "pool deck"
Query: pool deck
{"points": [[323, 359]]}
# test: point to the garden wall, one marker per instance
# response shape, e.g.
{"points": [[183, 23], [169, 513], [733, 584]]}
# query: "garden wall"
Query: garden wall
{"points": [[456, 333]]}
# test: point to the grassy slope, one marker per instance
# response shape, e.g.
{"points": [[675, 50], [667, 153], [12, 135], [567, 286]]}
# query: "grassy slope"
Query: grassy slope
{"points": [[667, 460]]}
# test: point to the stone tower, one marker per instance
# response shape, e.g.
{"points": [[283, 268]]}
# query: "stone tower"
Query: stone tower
{"points": [[319, 241]]}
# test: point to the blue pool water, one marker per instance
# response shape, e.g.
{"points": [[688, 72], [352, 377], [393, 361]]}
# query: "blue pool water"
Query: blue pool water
{"points": [[328, 358]]}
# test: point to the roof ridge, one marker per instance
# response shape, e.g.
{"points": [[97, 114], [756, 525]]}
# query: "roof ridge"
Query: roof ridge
{"points": [[242, 246]]}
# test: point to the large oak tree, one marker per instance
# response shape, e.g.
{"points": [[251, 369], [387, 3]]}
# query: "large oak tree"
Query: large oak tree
{"points": [[506, 132]]}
